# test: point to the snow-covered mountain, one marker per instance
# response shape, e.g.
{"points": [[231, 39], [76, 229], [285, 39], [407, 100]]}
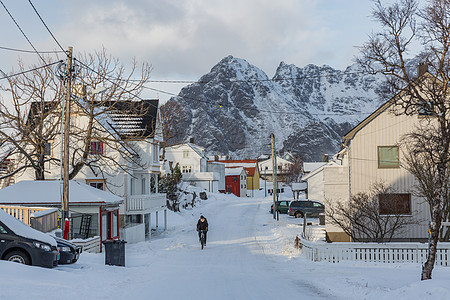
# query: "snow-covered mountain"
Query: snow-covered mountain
{"points": [[235, 107]]}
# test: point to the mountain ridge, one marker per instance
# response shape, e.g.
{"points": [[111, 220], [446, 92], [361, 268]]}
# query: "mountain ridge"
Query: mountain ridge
{"points": [[235, 107]]}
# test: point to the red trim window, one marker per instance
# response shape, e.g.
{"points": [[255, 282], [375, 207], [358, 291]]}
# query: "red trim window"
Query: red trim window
{"points": [[96, 148]]}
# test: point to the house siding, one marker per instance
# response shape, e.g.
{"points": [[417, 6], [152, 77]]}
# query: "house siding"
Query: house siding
{"points": [[386, 129]]}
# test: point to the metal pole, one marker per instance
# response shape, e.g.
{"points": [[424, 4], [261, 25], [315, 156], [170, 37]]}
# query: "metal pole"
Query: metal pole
{"points": [[274, 175], [265, 180], [66, 135]]}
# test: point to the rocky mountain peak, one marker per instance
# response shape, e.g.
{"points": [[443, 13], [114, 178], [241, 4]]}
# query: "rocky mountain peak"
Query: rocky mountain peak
{"points": [[235, 107]]}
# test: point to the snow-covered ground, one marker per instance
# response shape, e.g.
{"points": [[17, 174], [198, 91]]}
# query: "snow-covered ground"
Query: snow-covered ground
{"points": [[248, 256]]}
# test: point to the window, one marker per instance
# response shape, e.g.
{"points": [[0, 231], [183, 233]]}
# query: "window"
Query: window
{"points": [[426, 109], [48, 149], [155, 153], [2, 229], [143, 186], [96, 148], [96, 183], [153, 183], [186, 169], [395, 204], [388, 157], [279, 167], [185, 153]]}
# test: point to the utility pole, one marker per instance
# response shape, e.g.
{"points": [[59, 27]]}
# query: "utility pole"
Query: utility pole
{"points": [[274, 177], [68, 79]]}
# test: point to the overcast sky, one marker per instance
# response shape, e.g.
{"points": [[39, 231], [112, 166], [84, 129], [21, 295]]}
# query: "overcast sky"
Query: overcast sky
{"points": [[184, 39]]}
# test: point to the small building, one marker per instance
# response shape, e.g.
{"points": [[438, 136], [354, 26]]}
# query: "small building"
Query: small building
{"points": [[93, 212], [195, 167], [251, 169], [236, 181]]}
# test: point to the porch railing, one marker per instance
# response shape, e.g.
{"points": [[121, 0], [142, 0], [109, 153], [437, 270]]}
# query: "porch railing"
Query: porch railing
{"points": [[149, 203], [22, 213]]}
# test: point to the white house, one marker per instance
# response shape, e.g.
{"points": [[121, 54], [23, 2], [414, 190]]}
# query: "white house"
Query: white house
{"points": [[194, 167], [136, 182], [266, 167]]}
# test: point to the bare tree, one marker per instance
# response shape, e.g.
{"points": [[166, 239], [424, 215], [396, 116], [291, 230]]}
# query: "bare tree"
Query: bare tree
{"points": [[104, 128], [170, 115], [114, 120], [406, 27], [294, 170], [376, 216], [32, 98]]}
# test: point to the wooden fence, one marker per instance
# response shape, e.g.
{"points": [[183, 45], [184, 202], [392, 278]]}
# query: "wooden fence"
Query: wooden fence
{"points": [[373, 252], [23, 213]]}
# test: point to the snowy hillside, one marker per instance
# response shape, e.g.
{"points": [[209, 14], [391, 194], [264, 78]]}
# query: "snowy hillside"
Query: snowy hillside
{"points": [[234, 108]]}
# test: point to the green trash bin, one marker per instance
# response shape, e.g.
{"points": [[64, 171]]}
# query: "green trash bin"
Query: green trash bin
{"points": [[115, 252]]}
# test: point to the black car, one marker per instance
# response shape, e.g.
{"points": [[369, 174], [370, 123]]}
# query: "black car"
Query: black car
{"points": [[299, 208], [69, 252], [23, 244], [283, 207]]}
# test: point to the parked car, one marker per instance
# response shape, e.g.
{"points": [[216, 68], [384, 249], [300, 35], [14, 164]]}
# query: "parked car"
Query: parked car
{"points": [[22, 244], [283, 207], [299, 208], [69, 252]]}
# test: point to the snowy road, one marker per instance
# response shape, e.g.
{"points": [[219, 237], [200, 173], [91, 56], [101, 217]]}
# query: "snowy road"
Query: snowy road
{"points": [[248, 256]]}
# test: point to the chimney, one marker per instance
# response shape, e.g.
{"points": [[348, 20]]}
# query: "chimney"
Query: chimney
{"points": [[422, 69], [191, 140], [325, 158]]}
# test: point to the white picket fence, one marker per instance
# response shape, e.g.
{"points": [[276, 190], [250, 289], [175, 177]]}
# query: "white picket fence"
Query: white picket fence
{"points": [[91, 245], [374, 252]]}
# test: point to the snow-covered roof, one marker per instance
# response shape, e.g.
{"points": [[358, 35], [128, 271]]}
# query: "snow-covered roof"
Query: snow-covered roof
{"points": [[233, 171], [49, 192], [311, 166], [23, 230]]}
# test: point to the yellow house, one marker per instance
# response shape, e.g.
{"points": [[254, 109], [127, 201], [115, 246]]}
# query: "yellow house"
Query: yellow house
{"points": [[372, 153]]}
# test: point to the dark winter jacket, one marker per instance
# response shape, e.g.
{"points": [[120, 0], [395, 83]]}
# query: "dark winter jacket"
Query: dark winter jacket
{"points": [[202, 225]]}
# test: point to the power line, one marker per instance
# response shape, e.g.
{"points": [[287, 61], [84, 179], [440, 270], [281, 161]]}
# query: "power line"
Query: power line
{"points": [[28, 71], [209, 102], [23, 33], [309, 76], [112, 82], [29, 51], [49, 31]]}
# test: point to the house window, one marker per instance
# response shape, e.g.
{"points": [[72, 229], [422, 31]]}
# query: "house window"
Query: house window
{"points": [[186, 169], [153, 183], [96, 148], [143, 186], [388, 157], [97, 183], [155, 153], [48, 149], [395, 204], [185, 153], [280, 167], [426, 109]]}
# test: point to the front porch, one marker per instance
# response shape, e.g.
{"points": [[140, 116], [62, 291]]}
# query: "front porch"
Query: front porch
{"points": [[141, 216]]}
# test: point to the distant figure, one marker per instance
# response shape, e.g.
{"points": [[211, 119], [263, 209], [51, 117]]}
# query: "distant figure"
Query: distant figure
{"points": [[202, 224]]}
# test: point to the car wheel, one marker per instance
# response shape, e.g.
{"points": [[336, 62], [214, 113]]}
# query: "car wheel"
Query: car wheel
{"points": [[18, 257], [298, 214]]}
